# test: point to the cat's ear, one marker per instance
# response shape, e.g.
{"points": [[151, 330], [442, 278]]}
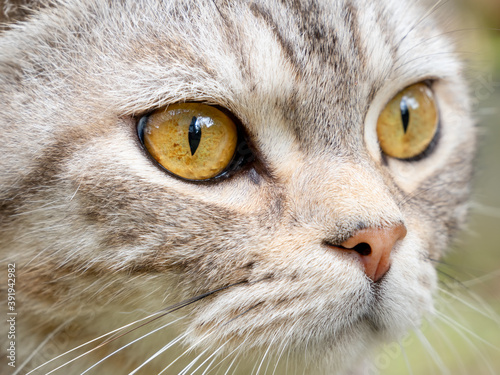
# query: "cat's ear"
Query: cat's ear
{"points": [[17, 10]]}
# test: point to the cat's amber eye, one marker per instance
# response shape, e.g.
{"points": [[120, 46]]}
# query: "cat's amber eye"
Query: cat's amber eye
{"points": [[408, 123], [191, 140]]}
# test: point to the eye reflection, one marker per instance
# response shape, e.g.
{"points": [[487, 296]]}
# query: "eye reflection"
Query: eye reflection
{"points": [[191, 140]]}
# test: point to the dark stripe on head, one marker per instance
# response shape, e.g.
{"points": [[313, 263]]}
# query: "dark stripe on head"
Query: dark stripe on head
{"points": [[286, 45]]}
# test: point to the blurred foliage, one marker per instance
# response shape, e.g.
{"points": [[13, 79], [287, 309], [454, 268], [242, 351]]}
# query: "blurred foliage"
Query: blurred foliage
{"points": [[495, 43]]}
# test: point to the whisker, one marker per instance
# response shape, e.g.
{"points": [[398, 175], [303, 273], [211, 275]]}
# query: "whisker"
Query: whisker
{"points": [[265, 355], [482, 279], [253, 368], [448, 343], [157, 315], [188, 350], [287, 360], [175, 307], [125, 346], [89, 342], [284, 344], [485, 210], [484, 308], [469, 342], [458, 326], [427, 14], [405, 358], [459, 269], [209, 366], [283, 348], [488, 310], [494, 318], [425, 41], [192, 363], [210, 356], [454, 279], [162, 350], [442, 262], [437, 360], [484, 305], [237, 364], [419, 191], [210, 333], [39, 347], [231, 353], [451, 53], [231, 320]]}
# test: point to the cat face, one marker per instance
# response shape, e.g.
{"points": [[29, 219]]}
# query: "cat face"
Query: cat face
{"points": [[98, 228]]}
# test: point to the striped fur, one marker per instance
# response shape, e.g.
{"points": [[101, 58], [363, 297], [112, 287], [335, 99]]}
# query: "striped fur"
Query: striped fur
{"points": [[101, 236]]}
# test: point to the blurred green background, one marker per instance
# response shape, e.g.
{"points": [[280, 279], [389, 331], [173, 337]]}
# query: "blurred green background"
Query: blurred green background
{"points": [[464, 337]]}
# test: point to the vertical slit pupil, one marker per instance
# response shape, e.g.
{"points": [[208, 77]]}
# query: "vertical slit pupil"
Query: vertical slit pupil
{"points": [[405, 114], [194, 135]]}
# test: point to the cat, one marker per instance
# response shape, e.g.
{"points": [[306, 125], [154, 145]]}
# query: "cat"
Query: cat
{"points": [[258, 181]]}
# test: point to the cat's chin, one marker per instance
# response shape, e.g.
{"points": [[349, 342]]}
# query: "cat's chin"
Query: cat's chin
{"points": [[317, 328], [315, 349]]}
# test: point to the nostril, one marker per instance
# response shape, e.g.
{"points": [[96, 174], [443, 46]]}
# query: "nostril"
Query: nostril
{"points": [[363, 249], [373, 247]]}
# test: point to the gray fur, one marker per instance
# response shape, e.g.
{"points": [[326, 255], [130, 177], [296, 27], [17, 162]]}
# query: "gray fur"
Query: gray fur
{"points": [[97, 230]]}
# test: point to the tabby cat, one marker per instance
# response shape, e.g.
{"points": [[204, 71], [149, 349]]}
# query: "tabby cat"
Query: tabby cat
{"points": [[208, 185]]}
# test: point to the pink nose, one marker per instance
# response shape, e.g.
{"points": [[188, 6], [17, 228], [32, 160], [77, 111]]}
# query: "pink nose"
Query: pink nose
{"points": [[373, 246]]}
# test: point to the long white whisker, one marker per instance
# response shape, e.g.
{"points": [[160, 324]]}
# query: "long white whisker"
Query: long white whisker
{"points": [[485, 306], [291, 330], [162, 350], [405, 358], [265, 355], [228, 355], [427, 14], [210, 356], [235, 368], [42, 344], [425, 41], [472, 307], [485, 210], [287, 360], [471, 344], [481, 280], [188, 350], [91, 341], [451, 53], [283, 344], [192, 363], [127, 345], [229, 321], [254, 367], [449, 343], [231, 365], [455, 324], [209, 366], [437, 360]]}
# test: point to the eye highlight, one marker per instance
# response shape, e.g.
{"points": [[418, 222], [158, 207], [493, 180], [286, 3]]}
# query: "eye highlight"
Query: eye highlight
{"points": [[191, 140], [408, 123]]}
